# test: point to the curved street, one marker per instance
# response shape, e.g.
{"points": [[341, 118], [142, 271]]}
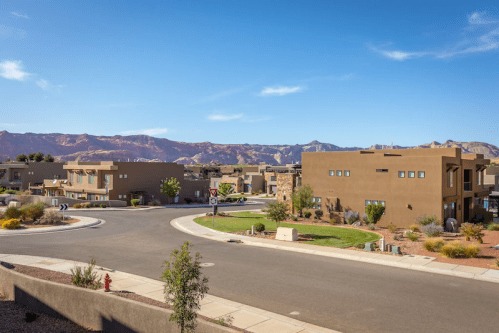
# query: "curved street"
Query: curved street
{"points": [[343, 295]]}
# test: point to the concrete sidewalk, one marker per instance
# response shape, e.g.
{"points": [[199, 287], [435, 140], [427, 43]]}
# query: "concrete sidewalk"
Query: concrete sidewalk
{"points": [[244, 316], [415, 262], [85, 222]]}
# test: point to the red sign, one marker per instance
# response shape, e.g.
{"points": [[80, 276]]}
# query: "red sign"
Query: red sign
{"points": [[213, 192]]}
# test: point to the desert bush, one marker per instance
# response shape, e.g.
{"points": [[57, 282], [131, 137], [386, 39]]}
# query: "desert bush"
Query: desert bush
{"points": [[12, 213], [375, 212], [87, 205], [85, 277], [360, 245], [33, 211], [318, 214], [371, 226], [433, 244], [471, 230], [307, 214], [412, 236], [77, 205], [103, 206], [493, 227], [10, 224], [398, 237], [294, 218], [51, 217], [351, 217], [135, 202], [96, 205], [365, 218], [155, 203], [10, 192], [334, 220], [432, 230], [457, 249], [414, 228], [425, 219], [260, 227], [392, 228]]}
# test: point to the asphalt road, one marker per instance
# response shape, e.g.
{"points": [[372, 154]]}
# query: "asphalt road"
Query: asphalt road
{"points": [[344, 295]]}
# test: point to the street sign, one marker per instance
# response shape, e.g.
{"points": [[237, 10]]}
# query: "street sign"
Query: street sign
{"points": [[63, 207], [213, 192], [213, 201]]}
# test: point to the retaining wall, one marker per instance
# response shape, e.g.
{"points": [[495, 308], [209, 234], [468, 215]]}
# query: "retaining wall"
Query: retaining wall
{"points": [[60, 200], [90, 308]]}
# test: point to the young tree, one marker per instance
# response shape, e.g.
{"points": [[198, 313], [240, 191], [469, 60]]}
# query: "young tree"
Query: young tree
{"points": [[32, 156], [185, 286], [302, 198], [277, 211], [375, 212], [225, 189], [170, 187], [49, 158], [39, 156], [21, 157]]}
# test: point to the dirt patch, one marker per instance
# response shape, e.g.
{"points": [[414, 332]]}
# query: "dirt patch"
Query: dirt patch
{"points": [[12, 314], [29, 225]]}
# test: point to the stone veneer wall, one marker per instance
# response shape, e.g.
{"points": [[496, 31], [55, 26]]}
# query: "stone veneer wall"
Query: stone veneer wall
{"points": [[267, 176], [237, 181], [286, 182]]}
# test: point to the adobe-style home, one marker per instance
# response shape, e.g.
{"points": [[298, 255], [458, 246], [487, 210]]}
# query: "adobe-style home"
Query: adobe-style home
{"points": [[129, 180], [408, 182], [20, 175]]}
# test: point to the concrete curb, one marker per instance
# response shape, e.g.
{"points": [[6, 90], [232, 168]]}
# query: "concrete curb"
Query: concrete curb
{"points": [[220, 205], [112, 209], [85, 222], [418, 263]]}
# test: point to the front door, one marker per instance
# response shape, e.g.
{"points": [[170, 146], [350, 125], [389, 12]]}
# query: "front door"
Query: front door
{"points": [[466, 209]]}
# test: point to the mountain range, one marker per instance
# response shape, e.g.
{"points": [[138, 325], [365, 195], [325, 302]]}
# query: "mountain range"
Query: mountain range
{"points": [[84, 147]]}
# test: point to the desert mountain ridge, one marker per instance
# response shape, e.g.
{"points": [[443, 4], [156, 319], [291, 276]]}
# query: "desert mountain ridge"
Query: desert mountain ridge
{"points": [[84, 147]]}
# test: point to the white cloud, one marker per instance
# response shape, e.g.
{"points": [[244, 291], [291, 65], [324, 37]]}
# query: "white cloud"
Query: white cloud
{"points": [[47, 86], [222, 117], [473, 43], [13, 70], [44, 84], [280, 91], [150, 132], [20, 15]]}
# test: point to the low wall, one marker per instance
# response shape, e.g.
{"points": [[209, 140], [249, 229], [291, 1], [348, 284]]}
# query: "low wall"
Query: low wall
{"points": [[69, 201], [90, 308]]}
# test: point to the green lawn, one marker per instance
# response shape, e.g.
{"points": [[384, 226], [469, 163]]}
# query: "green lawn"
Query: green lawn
{"points": [[238, 196], [321, 235]]}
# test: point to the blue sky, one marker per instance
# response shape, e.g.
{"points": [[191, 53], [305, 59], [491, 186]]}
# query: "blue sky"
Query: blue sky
{"points": [[258, 72]]}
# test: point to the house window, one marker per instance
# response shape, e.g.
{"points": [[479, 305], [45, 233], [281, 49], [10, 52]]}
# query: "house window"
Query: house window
{"points": [[107, 179], [121, 176], [124, 196], [382, 203], [78, 178], [125, 176], [368, 202], [319, 199], [420, 174], [17, 175], [197, 194], [381, 170], [478, 202], [216, 184], [411, 174], [318, 206], [331, 172], [313, 199], [119, 196], [91, 179], [71, 177], [450, 178], [347, 173], [375, 202], [79, 195], [479, 178], [338, 173], [401, 174]]}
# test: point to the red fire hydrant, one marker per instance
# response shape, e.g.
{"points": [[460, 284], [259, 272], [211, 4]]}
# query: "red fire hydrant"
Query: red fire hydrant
{"points": [[107, 281]]}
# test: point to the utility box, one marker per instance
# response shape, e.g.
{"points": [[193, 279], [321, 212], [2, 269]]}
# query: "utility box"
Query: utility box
{"points": [[287, 234]]}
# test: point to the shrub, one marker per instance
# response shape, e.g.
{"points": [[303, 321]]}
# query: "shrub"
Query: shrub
{"points": [[365, 218], [33, 211], [96, 205], [398, 237], [425, 219], [135, 202], [77, 205], [51, 217], [392, 228], [10, 224], [457, 249], [12, 213], [432, 230], [360, 245], [187, 201], [414, 227], [412, 236], [155, 203], [318, 214], [87, 205], [493, 226], [334, 220], [351, 217], [294, 218], [260, 227], [471, 230], [371, 226], [10, 192], [307, 214], [103, 206], [375, 212], [85, 277], [433, 244]]}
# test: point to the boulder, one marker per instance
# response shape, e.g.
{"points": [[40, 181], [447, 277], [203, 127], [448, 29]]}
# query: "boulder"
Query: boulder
{"points": [[15, 204], [451, 225], [286, 234]]}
